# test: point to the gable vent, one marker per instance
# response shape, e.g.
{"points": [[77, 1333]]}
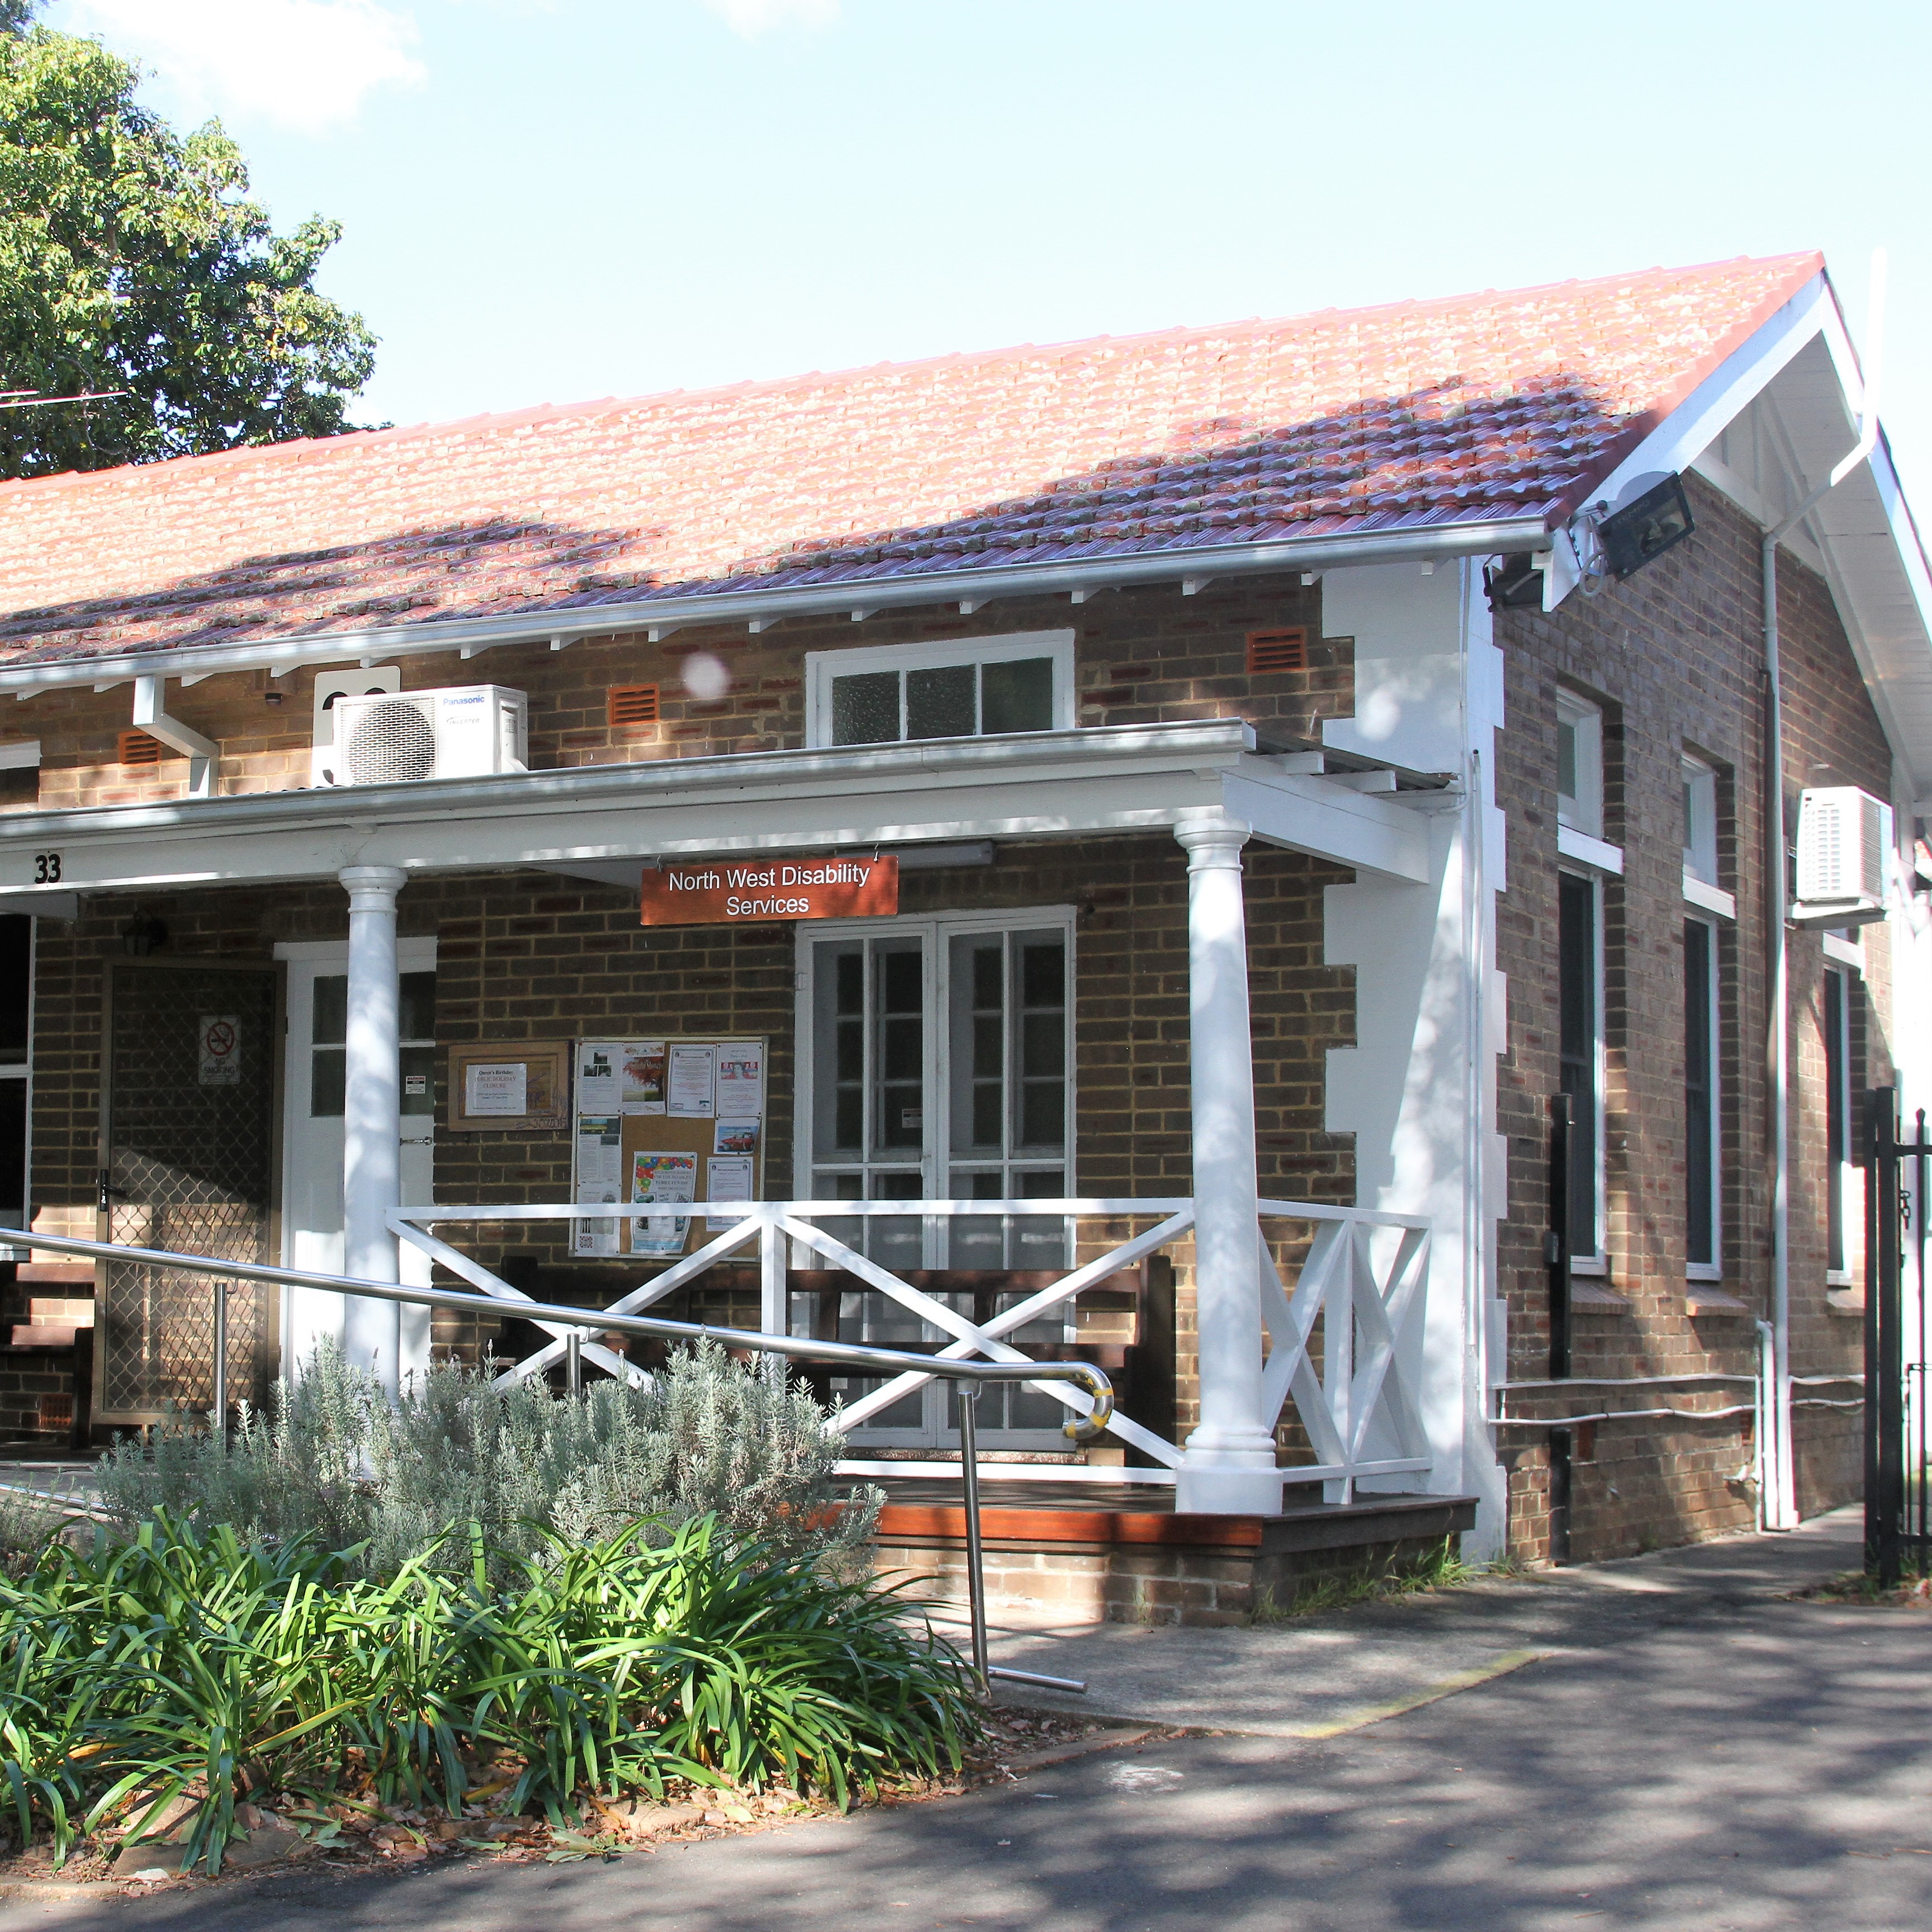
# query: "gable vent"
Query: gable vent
{"points": [[1276, 650], [633, 704], [136, 747]]}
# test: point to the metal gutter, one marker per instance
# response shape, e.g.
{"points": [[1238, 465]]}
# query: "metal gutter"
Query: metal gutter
{"points": [[671, 611]]}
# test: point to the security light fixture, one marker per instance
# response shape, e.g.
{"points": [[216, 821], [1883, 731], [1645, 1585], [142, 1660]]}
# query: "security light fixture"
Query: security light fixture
{"points": [[1643, 529], [143, 934], [1515, 584]]}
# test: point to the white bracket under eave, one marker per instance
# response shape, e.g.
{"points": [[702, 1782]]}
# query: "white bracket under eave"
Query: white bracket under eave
{"points": [[758, 624], [1192, 587], [200, 752]]}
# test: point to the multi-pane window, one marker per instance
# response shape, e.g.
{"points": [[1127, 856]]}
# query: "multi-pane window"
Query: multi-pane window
{"points": [[1579, 765], [1580, 1042], [1703, 1253], [328, 1036], [1837, 1019], [969, 688]]}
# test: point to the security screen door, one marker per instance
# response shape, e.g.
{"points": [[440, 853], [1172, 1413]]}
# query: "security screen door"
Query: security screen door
{"points": [[187, 1163], [940, 1065]]}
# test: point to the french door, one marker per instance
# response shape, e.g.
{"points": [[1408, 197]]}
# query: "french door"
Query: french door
{"points": [[936, 1062]]}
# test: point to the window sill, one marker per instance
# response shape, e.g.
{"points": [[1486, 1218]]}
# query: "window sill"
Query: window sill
{"points": [[1571, 844], [1848, 1302], [1846, 952], [1590, 1297], [1708, 898], [1704, 1298]]}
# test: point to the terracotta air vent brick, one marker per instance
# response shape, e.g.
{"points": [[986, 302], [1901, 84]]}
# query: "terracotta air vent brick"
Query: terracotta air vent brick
{"points": [[632, 704], [1276, 650], [137, 748]]}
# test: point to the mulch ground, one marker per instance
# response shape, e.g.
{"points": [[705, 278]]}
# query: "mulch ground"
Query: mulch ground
{"points": [[357, 1837]]}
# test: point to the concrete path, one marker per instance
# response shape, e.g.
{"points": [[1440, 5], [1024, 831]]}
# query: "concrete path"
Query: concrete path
{"points": [[1700, 1753]]}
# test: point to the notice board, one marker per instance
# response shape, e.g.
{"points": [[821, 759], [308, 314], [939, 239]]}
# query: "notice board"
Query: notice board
{"points": [[669, 1119]]}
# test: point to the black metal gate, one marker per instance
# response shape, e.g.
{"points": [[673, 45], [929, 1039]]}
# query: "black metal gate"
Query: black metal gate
{"points": [[1898, 1468], [187, 1163]]}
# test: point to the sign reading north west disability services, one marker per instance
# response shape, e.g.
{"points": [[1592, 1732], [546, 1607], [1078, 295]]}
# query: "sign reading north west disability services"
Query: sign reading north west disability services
{"points": [[717, 893]]}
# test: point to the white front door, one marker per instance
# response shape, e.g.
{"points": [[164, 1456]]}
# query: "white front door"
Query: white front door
{"points": [[937, 1061], [318, 983]]}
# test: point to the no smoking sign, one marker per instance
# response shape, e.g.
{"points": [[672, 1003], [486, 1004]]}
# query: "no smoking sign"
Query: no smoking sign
{"points": [[220, 1050]]}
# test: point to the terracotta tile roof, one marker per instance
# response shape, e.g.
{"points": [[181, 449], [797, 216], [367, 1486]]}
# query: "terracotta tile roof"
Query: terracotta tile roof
{"points": [[1418, 413]]}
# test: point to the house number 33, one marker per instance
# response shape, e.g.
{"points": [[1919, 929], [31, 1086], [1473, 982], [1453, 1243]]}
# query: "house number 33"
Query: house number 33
{"points": [[46, 868]]}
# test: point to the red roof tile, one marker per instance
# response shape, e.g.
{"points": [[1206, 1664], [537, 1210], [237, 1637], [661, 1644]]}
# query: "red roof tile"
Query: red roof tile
{"points": [[1417, 413]]}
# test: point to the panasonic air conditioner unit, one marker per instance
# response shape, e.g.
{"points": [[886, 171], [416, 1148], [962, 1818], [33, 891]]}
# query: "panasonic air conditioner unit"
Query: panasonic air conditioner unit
{"points": [[1843, 834], [468, 731]]}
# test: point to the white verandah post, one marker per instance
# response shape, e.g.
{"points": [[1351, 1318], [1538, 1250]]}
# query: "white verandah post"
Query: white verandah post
{"points": [[1228, 1467], [372, 1120]]}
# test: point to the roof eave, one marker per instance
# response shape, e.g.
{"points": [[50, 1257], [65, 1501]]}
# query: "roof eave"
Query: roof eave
{"points": [[667, 611]]}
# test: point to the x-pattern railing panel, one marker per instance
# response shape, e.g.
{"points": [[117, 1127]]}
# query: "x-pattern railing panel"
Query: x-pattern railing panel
{"points": [[1358, 1392]]}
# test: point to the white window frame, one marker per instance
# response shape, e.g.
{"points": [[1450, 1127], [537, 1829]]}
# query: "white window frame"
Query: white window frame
{"points": [[822, 667], [1599, 1263], [1700, 820], [937, 931], [1583, 810], [23, 1072], [1836, 1056], [1713, 1269]]}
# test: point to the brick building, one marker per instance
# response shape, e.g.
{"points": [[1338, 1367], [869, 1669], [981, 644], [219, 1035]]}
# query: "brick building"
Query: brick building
{"points": [[1304, 749]]}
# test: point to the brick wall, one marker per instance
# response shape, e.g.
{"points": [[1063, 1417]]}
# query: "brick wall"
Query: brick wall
{"points": [[525, 956], [1674, 657], [1142, 656]]}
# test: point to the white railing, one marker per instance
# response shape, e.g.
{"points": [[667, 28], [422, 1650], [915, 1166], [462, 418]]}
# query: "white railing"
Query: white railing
{"points": [[1363, 1282]]}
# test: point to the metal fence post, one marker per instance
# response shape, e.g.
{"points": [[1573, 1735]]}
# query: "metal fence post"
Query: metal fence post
{"points": [[573, 1361]]}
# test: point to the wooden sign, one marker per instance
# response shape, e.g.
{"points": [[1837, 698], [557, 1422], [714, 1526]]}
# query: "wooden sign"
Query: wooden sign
{"points": [[734, 892], [523, 1084]]}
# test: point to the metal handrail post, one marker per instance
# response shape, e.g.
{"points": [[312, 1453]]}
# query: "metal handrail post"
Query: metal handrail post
{"points": [[968, 1401], [573, 1361], [218, 1413]]}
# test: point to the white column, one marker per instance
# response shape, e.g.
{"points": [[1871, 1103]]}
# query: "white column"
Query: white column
{"points": [[372, 1119], [1228, 1468]]}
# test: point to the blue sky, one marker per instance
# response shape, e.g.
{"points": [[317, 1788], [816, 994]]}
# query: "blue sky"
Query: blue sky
{"points": [[550, 200]]}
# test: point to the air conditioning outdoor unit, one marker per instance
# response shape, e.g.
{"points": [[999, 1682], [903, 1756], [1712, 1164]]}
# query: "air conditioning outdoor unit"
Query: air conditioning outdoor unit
{"points": [[470, 731], [1842, 836]]}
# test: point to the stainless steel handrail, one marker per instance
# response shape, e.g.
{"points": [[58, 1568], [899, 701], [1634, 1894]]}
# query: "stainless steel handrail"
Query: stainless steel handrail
{"points": [[1086, 1375]]}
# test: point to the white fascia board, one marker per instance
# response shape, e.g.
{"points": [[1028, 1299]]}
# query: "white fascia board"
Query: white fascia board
{"points": [[1367, 830], [1037, 785], [1697, 422], [1423, 542]]}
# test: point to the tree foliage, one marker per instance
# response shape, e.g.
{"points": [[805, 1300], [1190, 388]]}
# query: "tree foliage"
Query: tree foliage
{"points": [[131, 259]]}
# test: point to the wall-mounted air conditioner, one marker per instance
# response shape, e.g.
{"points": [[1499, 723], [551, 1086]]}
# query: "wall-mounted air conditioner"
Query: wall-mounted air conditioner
{"points": [[1842, 837], [470, 731]]}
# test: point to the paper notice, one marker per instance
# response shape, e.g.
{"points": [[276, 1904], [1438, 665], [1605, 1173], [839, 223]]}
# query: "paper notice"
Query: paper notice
{"points": [[691, 1083], [598, 1062], [643, 1076], [491, 1088], [670, 1177], [733, 1135], [741, 1078], [600, 1177], [728, 1177]]}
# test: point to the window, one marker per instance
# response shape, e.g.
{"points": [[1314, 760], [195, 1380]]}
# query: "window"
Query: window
{"points": [[1700, 821], [1838, 1177], [1579, 766], [1702, 1149], [940, 1064], [1580, 1005], [415, 1027], [968, 689]]}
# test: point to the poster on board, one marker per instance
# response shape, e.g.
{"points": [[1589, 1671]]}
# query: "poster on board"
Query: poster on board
{"points": [[671, 1178]]}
